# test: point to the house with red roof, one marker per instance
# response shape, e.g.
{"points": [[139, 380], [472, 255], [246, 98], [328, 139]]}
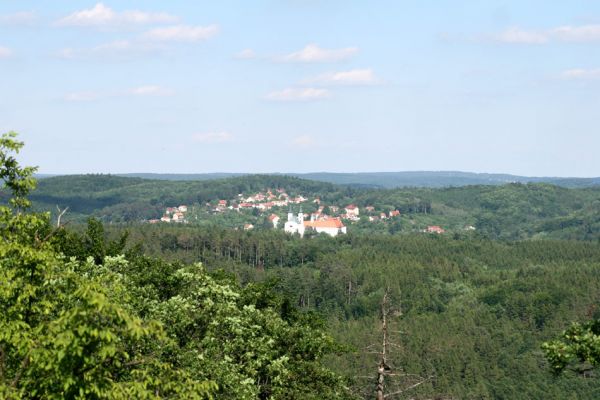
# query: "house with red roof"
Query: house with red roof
{"points": [[274, 219], [330, 226], [435, 229]]}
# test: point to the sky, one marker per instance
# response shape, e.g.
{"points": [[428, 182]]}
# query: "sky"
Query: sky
{"points": [[303, 85]]}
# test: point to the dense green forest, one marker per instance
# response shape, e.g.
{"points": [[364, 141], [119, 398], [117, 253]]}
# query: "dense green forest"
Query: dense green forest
{"points": [[113, 308], [474, 311]]}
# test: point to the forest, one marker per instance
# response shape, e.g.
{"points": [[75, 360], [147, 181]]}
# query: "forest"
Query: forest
{"points": [[101, 305]]}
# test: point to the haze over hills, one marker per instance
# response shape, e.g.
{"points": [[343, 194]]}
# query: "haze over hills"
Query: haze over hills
{"points": [[387, 179]]}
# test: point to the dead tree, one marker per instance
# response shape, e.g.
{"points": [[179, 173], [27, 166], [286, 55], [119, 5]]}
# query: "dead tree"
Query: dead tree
{"points": [[386, 372]]}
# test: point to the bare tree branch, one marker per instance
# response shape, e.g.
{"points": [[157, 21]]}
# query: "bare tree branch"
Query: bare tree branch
{"points": [[60, 214], [407, 388]]}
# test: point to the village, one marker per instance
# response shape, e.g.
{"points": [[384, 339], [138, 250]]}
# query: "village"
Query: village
{"points": [[324, 218]]}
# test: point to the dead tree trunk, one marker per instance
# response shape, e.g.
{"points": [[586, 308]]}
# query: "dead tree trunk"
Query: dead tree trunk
{"points": [[381, 368], [384, 368]]}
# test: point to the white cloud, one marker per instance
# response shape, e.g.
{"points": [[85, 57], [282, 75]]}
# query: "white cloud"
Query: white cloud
{"points": [[299, 94], [5, 52], [585, 33], [101, 16], [304, 141], [150, 91], [352, 77], [182, 33], [212, 137], [567, 33], [519, 36], [314, 53], [246, 54], [18, 18], [584, 74]]}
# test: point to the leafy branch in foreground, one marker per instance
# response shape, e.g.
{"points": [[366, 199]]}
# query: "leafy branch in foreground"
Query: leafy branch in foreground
{"points": [[578, 348]]}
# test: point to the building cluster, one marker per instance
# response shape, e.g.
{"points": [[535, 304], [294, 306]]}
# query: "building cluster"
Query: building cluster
{"points": [[317, 221], [261, 201], [174, 214]]}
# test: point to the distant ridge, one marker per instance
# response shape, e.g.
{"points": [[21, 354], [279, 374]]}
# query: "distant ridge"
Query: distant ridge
{"points": [[395, 179], [433, 179]]}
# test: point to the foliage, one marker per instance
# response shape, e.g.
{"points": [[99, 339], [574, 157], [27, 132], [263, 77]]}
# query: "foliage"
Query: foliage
{"points": [[78, 320], [579, 346], [474, 310]]}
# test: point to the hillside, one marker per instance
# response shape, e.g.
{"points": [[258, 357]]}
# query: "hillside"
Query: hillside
{"points": [[510, 211]]}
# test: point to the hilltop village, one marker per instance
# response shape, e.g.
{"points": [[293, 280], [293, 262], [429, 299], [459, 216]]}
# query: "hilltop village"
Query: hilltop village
{"points": [[302, 214]]}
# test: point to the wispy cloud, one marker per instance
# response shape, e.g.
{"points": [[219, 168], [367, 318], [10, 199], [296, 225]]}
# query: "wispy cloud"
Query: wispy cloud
{"points": [[299, 94], [584, 33], [312, 53], [182, 33], [150, 91], [566, 33], [246, 54], [140, 91], [18, 18], [349, 78], [101, 16], [581, 74], [304, 141], [520, 36], [5, 52], [212, 137]]}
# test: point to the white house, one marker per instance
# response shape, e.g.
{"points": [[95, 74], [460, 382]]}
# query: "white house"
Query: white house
{"points": [[352, 210]]}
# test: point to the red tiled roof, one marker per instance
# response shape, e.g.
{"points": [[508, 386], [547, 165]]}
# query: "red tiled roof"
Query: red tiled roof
{"points": [[327, 223]]}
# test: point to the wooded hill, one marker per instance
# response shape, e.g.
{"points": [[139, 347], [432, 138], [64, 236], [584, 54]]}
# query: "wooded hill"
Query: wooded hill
{"points": [[469, 313], [511, 211]]}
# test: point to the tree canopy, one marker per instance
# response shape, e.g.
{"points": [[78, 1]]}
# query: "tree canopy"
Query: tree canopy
{"points": [[81, 320]]}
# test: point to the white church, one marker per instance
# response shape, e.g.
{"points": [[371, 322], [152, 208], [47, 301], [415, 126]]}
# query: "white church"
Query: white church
{"points": [[295, 224], [330, 226]]}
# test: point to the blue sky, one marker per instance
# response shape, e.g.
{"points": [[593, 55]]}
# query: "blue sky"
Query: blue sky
{"points": [[303, 85]]}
